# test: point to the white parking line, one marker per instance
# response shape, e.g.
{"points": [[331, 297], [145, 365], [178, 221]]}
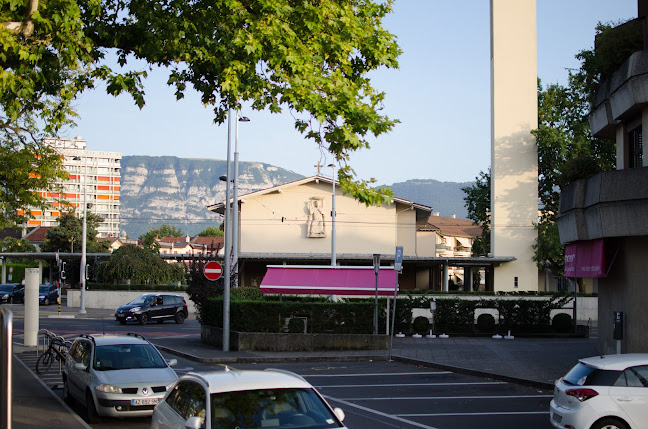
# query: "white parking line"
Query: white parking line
{"points": [[491, 383], [489, 413], [378, 413], [412, 398], [378, 374]]}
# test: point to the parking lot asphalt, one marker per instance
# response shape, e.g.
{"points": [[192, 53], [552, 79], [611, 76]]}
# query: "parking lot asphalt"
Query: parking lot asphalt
{"points": [[530, 361]]}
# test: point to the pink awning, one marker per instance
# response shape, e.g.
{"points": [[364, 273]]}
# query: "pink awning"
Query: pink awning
{"points": [[585, 259], [312, 280]]}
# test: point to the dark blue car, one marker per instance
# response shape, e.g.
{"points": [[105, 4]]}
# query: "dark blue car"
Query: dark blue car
{"points": [[12, 293], [47, 294]]}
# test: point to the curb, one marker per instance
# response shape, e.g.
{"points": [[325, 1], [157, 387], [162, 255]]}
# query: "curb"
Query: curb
{"points": [[268, 359]]}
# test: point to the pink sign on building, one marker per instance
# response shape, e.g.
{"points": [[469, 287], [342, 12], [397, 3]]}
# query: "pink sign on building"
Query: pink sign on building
{"points": [[323, 280], [585, 259]]}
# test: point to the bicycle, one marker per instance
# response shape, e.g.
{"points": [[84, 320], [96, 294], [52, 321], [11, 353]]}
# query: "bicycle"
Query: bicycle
{"points": [[55, 352]]}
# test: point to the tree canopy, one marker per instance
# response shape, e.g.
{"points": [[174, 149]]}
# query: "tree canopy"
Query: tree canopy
{"points": [[164, 230], [211, 232], [311, 58], [67, 236], [140, 266], [478, 203]]}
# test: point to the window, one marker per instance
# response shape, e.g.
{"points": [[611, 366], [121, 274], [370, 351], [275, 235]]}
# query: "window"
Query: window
{"points": [[635, 148], [187, 399]]}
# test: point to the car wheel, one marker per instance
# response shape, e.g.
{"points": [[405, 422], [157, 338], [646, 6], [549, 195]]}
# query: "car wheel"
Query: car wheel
{"points": [[180, 318], [11, 300], [123, 322], [66, 393], [609, 423], [46, 301], [91, 411], [143, 319]]}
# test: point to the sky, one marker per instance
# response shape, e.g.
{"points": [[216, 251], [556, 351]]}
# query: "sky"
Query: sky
{"points": [[440, 94]]}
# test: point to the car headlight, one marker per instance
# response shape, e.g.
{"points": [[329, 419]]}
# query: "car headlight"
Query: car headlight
{"points": [[135, 309], [5, 296], [107, 388]]}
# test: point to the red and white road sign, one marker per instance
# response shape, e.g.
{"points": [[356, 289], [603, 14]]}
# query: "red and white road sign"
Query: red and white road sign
{"points": [[213, 270]]}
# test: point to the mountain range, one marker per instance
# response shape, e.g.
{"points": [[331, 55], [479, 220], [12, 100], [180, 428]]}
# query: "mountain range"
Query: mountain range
{"points": [[158, 190]]}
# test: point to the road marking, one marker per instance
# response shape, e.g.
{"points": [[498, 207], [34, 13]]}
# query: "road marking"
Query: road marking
{"points": [[369, 410], [415, 384], [489, 413], [411, 398], [379, 374]]}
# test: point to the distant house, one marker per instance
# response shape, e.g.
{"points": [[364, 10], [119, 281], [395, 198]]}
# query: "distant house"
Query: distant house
{"points": [[205, 246], [116, 243]]}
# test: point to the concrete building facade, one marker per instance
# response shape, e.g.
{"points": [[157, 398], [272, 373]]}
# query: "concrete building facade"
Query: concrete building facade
{"points": [[604, 219]]}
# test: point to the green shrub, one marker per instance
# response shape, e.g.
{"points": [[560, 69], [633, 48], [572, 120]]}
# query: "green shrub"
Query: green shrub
{"points": [[421, 325], [562, 322], [296, 325], [485, 322]]}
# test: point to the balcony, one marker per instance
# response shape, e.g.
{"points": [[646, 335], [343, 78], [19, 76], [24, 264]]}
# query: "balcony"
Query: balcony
{"points": [[610, 204]]}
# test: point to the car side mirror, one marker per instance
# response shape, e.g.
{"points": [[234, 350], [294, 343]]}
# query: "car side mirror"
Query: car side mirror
{"points": [[339, 413], [194, 422], [172, 362], [80, 366]]}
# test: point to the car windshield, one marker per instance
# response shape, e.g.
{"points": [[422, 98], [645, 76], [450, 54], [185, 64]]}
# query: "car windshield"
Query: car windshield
{"points": [[271, 408], [142, 300], [127, 356], [584, 375], [44, 288], [6, 288]]}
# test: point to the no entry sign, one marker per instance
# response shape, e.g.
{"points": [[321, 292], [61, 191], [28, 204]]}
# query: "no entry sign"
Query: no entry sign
{"points": [[213, 270]]}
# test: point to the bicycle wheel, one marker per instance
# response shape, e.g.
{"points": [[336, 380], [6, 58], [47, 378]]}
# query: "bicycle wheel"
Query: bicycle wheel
{"points": [[44, 362]]}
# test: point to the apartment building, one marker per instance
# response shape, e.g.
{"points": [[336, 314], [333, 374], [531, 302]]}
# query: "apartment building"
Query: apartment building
{"points": [[99, 172]]}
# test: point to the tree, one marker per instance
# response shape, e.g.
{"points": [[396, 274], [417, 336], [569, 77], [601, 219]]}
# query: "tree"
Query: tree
{"points": [[478, 203], [66, 237], [165, 230], [311, 58], [140, 266], [566, 152], [18, 245], [211, 232]]}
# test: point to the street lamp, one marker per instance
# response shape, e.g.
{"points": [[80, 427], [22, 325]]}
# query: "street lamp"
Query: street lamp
{"points": [[235, 209], [333, 263], [83, 268], [226, 256]]}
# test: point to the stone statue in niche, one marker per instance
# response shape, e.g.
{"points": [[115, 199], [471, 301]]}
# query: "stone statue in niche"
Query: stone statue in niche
{"points": [[316, 218]]}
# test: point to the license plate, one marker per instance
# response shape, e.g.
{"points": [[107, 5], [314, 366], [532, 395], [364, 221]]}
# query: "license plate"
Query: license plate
{"points": [[145, 401], [556, 417]]}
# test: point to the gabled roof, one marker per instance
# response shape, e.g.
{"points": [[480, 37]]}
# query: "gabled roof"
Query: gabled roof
{"points": [[452, 226], [216, 242], [219, 207], [38, 234]]}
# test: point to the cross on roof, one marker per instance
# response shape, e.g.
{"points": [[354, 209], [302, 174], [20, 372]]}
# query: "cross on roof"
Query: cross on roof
{"points": [[318, 166]]}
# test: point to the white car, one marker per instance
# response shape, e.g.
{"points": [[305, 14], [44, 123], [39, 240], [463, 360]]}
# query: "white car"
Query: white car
{"points": [[244, 399], [603, 392], [116, 375]]}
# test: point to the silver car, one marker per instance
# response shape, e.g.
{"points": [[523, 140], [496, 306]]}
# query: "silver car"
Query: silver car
{"points": [[116, 375], [244, 399]]}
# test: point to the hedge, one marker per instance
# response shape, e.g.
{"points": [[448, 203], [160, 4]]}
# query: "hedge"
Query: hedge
{"points": [[270, 316]]}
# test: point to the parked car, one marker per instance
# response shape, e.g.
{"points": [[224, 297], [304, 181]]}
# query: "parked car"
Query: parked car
{"points": [[47, 294], [244, 399], [158, 307], [116, 375], [608, 392], [12, 293]]}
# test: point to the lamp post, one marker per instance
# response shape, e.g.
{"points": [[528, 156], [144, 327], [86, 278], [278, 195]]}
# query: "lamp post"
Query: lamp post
{"points": [[333, 262], [82, 270], [235, 210], [227, 267]]}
